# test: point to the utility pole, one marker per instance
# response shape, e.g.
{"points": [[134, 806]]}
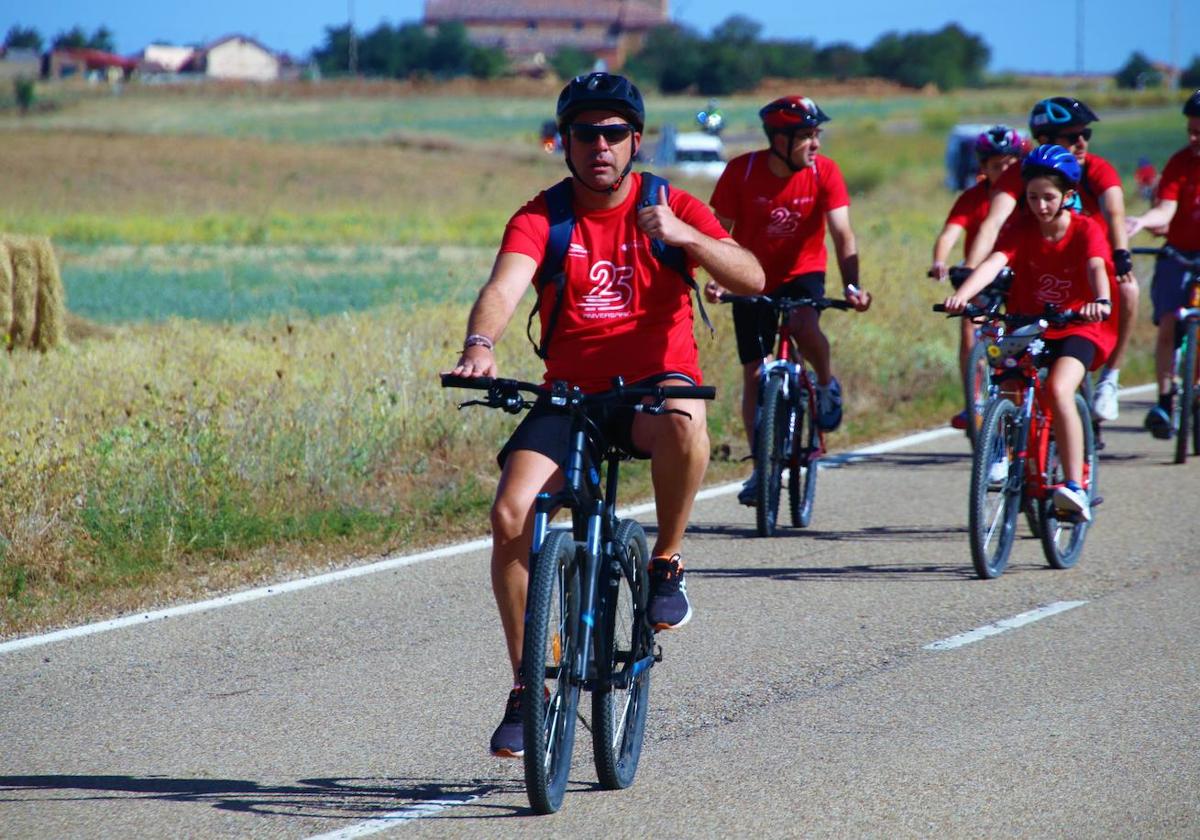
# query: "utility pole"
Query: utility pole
{"points": [[353, 40], [1079, 37], [1176, 70]]}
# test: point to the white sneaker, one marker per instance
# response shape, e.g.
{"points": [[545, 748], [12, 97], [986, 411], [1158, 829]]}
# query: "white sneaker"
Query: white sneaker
{"points": [[1070, 498], [998, 471], [1104, 399]]}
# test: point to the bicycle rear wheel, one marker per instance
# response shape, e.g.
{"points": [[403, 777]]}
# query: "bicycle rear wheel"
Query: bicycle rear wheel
{"points": [[551, 698], [1189, 431], [624, 651], [769, 445], [993, 509], [1062, 539], [975, 388], [806, 455]]}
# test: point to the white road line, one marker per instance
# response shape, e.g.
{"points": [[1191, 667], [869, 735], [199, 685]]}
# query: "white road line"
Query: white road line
{"points": [[1004, 625], [385, 821], [449, 551]]}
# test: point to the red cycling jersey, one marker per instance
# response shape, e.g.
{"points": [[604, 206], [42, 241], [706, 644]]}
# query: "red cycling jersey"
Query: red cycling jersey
{"points": [[1098, 177], [623, 312], [969, 211], [1045, 272], [780, 220], [1181, 183]]}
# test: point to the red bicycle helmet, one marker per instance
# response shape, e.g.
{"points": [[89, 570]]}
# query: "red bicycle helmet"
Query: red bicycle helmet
{"points": [[791, 113]]}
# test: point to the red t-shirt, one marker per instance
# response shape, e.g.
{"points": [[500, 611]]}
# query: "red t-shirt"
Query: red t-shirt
{"points": [[1056, 272], [1181, 182], [623, 312], [780, 220], [1098, 177], [969, 211]]}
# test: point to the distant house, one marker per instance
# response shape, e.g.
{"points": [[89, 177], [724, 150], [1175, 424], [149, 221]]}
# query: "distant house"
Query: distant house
{"points": [[79, 61], [19, 63], [165, 58], [530, 31], [235, 57]]}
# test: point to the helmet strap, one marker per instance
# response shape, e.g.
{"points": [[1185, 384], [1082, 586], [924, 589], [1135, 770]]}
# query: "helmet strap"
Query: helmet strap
{"points": [[787, 159]]}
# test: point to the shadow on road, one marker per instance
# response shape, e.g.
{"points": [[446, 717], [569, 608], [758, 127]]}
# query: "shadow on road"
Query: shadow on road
{"points": [[328, 798]]}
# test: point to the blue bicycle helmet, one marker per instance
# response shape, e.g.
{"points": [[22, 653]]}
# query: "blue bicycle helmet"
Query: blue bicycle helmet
{"points": [[1191, 108], [1047, 159], [601, 91], [1051, 114]]}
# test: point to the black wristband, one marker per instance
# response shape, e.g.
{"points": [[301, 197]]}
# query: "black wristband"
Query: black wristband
{"points": [[1122, 261], [1103, 301]]}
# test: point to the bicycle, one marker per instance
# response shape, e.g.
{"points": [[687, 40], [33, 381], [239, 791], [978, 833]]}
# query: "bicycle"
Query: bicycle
{"points": [[1185, 419], [585, 614], [1016, 428], [787, 407], [977, 373]]}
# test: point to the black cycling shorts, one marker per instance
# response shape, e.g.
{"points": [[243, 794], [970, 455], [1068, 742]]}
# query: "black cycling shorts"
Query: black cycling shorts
{"points": [[547, 428], [1074, 346], [755, 324]]}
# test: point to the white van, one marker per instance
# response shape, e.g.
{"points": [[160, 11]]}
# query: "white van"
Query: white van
{"points": [[694, 153]]}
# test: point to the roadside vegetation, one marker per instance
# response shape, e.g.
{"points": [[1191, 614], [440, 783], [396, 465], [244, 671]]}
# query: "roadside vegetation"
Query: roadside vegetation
{"points": [[260, 311]]}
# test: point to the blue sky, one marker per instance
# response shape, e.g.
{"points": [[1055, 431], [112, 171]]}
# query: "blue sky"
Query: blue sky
{"points": [[1112, 29]]}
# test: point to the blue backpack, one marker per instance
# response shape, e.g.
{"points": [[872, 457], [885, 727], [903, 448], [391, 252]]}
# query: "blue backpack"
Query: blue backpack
{"points": [[562, 224]]}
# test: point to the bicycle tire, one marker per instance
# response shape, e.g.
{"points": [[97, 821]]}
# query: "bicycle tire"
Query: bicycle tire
{"points": [[806, 455], [1033, 516], [976, 381], [619, 715], [1062, 541], [769, 446], [1188, 432], [552, 622], [992, 512]]}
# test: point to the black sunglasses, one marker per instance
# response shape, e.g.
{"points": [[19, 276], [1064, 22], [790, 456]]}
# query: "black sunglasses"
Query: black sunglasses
{"points": [[1072, 137], [612, 134]]}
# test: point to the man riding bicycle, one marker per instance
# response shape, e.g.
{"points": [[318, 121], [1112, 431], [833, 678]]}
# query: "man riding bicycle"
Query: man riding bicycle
{"points": [[619, 311], [777, 202], [1178, 210]]}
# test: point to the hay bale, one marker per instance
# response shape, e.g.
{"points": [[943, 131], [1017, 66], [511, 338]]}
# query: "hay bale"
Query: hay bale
{"points": [[49, 326], [24, 291], [6, 287]]}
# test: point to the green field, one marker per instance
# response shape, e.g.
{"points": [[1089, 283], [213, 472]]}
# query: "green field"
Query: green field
{"points": [[265, 288]]}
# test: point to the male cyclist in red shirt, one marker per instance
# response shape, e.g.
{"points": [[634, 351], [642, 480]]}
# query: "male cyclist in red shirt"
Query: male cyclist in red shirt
{"points": [[622, 312], [777, 202], [1065, 121], [1178, 210]]}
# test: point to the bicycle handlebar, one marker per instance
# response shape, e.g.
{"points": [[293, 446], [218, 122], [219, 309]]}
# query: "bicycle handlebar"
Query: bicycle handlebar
{"points": [[1172, 252], [786, 304], [501, 391], [1054, 319]]}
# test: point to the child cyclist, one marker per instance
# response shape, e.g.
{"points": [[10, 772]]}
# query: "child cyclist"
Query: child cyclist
{"points": [[997, 148], [1059, 258], [777, 202]]}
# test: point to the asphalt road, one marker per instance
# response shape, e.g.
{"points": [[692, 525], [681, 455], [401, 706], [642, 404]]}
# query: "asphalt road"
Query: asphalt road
{"points": [[801, 701]]}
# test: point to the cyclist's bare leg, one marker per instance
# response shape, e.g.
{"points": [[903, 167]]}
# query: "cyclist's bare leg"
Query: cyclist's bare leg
{"points": [[1164, 353], [526, 473], [814, 346], [1126, 318], [679, 450], [966, 344], [1065, 377]]}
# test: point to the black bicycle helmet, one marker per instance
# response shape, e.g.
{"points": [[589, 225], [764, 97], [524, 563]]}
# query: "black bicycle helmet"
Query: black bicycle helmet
{"points": [[605, 91], [1191, 108], [1049, 115]]}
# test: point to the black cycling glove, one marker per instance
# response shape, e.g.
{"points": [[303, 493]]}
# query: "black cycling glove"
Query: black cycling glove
{"points": [[1122, 261]]}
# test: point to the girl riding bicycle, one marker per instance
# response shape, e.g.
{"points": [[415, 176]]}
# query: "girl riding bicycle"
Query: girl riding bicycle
{"points": [[997, 148], [1059, 259]]}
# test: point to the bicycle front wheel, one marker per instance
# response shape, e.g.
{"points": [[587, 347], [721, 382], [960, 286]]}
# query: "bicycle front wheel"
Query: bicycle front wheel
{"points": [[1189, 411], [624, 654], [975, 388], [551, 698], [806, 455], [1062, 539], [994, 505], [770, 443]]}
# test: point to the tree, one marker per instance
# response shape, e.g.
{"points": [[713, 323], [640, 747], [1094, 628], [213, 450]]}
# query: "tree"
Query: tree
{"points": [[487, 62], [102, 39], [841, 61], [948, 58], [671, 57], [732, 61], [75, 38], [569, 62], [1138, 73], [1190, 77], [788, 59], [334, 56], [23, 38]]}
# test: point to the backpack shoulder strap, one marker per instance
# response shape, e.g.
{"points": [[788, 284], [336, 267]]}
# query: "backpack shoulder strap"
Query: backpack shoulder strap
{"points": [[562, 223], [671, 256]]}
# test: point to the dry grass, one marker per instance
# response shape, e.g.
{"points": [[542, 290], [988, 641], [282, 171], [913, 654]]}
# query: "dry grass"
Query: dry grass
{"points": [[31, 290]]}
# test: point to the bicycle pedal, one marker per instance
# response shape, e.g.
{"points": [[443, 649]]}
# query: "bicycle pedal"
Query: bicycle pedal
{"points": [[658, 653], [1098, 500]]}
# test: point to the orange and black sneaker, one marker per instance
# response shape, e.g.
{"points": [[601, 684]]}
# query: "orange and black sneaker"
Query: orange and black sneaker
{"points": [[669, 607], [508, 741]]}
